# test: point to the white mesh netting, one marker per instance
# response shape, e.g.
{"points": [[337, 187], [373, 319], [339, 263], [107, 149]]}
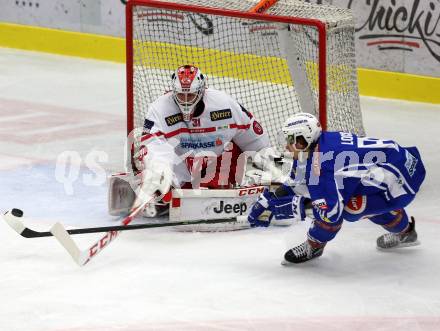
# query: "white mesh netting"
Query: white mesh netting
{"points": [[270, 68]]}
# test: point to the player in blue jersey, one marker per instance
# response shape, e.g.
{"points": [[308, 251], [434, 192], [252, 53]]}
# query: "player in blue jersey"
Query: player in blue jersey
{"points": [[344, 177]]}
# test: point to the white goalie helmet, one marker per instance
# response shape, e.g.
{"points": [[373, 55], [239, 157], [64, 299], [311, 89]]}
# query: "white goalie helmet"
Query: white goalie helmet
{"points": [[303, 125], [188, 86]]}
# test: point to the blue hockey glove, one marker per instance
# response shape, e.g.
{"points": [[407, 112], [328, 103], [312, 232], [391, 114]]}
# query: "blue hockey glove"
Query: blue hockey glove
{"points": [[289, 207], [262, 204]]}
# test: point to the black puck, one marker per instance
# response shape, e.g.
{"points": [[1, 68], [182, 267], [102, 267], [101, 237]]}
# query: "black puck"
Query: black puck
{"points": [[17, 212]]}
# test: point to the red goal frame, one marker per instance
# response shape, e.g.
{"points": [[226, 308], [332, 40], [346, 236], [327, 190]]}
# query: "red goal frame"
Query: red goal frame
{"points": [[320, 26]]}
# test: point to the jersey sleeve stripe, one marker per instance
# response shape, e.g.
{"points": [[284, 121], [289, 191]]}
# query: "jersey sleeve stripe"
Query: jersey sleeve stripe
{"points": [[239, 126], [191, 131]]}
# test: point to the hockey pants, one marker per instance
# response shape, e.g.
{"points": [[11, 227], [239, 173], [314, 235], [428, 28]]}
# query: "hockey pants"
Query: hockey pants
{"points": [[390, 214]]}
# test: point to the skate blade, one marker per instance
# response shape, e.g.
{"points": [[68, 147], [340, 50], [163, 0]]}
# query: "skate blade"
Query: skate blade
{"points": [[416, 243], [286, 263]]}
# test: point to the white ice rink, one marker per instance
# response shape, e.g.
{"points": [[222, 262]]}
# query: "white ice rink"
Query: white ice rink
{"points": [[160, 279]]}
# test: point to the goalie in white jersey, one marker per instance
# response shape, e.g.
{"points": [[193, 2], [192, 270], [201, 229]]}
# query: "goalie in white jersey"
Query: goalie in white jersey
{"points": [[193, 136]]}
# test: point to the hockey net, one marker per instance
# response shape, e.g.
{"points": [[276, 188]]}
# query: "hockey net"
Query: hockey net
{"points": [[295, 57]]}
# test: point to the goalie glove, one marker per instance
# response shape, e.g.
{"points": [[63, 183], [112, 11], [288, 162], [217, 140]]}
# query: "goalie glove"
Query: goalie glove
{"points": [[139, 156], [265, 161], [157, 176]]}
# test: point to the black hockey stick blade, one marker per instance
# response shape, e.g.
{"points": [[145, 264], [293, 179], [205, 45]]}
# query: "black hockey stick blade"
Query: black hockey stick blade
{"points": [[16, 222]]}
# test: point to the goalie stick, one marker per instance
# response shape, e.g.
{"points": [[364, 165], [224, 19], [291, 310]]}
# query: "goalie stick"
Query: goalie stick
{"points": [[15, 221], [84, 257], [60, 233]]}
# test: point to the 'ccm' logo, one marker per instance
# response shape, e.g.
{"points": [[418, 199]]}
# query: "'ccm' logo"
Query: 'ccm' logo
{"points": [[251, 191], [238, 208]]}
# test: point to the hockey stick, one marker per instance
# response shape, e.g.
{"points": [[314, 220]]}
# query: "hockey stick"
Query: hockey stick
{"points": [[263, 6], [59, 232], [16, 222], [83, 257]]}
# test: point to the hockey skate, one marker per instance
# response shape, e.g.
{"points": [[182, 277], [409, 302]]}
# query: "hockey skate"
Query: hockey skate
{"points": [[398, 240], [308, 250]]}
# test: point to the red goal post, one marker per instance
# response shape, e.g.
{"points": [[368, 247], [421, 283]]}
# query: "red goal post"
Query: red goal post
{"points": [[306, 75]]}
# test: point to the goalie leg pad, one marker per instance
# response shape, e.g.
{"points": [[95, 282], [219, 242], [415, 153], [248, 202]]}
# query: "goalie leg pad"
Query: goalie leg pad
{"points": [[120, 194], [121, 197], [240, 224], [211, 204]]}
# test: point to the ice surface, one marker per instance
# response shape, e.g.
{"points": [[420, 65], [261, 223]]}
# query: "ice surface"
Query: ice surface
{"points": [[161, 279]]}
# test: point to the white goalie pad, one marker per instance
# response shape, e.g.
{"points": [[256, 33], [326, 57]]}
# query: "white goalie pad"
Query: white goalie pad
{"points": [[213, 204], [121, 197], [120, 194], [190, 205]]}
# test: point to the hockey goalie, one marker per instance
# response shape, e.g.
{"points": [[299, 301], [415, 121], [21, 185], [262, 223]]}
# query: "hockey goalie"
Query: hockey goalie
{"points": [[196, 138]]}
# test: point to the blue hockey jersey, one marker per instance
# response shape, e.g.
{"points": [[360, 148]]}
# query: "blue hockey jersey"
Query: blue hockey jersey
{"points": [[343, 166]]}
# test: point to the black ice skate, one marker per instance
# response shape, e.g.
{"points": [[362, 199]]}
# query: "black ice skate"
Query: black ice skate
{"points": [[306, 251], [397, 240]]}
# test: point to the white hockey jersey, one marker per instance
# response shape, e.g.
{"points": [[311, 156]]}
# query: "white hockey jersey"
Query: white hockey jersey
{"points": [[218, 120]]}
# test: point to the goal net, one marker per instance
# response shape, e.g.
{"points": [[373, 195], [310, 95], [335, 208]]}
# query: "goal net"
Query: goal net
{"points": [[295, 57]]}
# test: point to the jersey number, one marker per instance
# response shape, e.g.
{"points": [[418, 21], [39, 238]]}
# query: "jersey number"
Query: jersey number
{"points": [[376, 143], [196, 122]]}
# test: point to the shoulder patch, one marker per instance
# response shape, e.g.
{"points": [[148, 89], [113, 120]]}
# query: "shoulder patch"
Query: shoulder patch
{"points": [[174, 119], [258, 129], [148, 124], [410, 163], [219, 115]]}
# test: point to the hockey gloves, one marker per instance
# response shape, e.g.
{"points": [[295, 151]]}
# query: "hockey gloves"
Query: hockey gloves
{"points": [[259, 208], [290, 207]]}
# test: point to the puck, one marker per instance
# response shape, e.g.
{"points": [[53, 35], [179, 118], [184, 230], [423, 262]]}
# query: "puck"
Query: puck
{"points": [[17, 212]]}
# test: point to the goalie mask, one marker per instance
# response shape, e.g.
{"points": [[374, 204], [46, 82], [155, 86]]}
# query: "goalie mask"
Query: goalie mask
{"points": [[188, 86], [300, 131]]}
